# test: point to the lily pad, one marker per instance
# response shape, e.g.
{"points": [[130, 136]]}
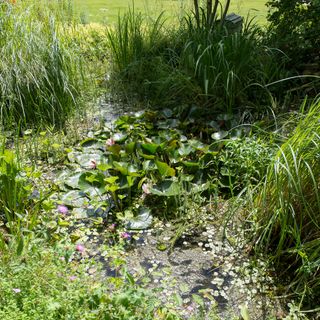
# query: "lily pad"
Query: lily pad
{"points": [[219, 135], [142, 221], [85, 159], [166, 188], [73, 198]]}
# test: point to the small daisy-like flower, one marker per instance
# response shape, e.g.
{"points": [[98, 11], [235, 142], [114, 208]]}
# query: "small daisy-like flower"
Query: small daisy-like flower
{"points": [[80, 248], [62, 209]]}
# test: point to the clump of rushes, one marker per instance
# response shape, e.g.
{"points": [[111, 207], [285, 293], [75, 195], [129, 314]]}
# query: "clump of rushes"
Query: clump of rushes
{"points": [[289, 206], [39, 71]]}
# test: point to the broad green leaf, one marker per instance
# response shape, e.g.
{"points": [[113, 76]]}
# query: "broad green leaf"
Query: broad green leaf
{"points": [[165, 170], [142, 221], [150, 147], [219, 135], [166, 188]]}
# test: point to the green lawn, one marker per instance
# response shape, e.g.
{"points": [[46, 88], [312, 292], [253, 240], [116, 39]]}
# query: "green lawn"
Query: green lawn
{"points": [[107, 10]]}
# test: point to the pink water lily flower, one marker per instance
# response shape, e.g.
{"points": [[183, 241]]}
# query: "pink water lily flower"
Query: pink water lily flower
{"points": [[146, 188], [93, 164], [110, 142]]}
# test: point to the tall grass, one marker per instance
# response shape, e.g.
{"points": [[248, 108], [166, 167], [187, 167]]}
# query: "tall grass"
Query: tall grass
{"points": [[288, 208], [228, 66], [194, 62], [39, 72]]}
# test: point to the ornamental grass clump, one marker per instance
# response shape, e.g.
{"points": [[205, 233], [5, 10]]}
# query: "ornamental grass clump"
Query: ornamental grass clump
{"points": [[39, 73], [288, 208]]}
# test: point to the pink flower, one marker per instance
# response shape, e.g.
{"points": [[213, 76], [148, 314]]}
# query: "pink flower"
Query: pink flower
{"points": [[190, 308], [16, 290], [93, 164], [80, 248], [110, 142], [146, 188], [72, 278], [112, 227], [62, 209], [125, 235]]}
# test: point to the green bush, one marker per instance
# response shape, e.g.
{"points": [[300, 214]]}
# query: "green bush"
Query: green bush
{"points": [[294, 27], [43, 284]]}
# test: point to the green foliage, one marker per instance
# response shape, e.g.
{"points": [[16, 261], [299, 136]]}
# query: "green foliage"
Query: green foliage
{"points": [[146, 167], [244, 162], [287, 208], [18, 204], [43, 285], [203, 64], [294, 27], [40, 74]]}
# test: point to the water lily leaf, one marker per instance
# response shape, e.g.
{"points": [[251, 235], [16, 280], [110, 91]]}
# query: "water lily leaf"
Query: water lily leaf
{"points": [[73, 198], [120, 137], [167, 113], [185, 150], [166, 188], [219, 135], [88, 142], [142, 221], [72, 181], [168, 124], [150, 147], [84, 159], [125, 169], [165, 170]]}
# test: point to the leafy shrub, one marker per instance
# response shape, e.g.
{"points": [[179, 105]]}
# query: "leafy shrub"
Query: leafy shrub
{"points": [[244, 162], [287, 208], [43, 285], [294, 27]]}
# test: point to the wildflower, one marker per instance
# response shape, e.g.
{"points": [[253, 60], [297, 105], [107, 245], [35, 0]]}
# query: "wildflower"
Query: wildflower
{"points": [[16, 290], [110, 142], [63, 209], [125, 235], [146, 188], [190, 308], [72, 278], [112, 227], [80, 248], [93, 164]]}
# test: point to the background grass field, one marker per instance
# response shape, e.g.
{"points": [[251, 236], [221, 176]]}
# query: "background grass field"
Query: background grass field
{"points": [[107, 10]]}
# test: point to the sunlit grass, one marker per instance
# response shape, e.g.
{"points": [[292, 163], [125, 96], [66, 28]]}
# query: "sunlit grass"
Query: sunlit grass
{"points": [[108, 10]]}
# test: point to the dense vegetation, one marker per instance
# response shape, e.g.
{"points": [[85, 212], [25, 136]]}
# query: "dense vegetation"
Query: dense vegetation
{"points": [[228, 116]]}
